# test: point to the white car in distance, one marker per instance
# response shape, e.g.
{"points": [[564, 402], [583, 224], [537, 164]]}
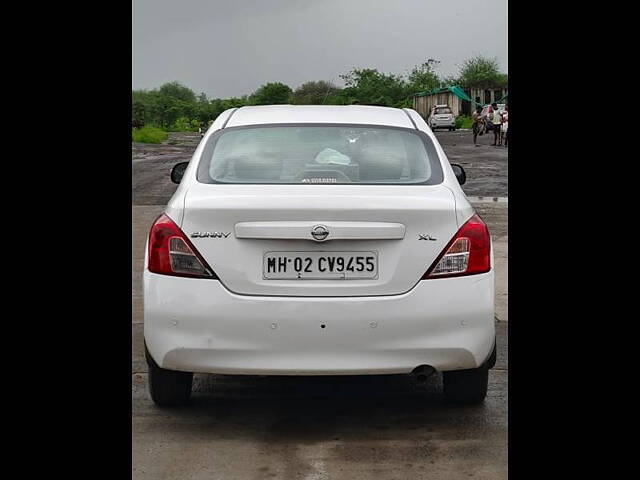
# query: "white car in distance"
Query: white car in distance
{"points": [[319, 240], [442, 116]]}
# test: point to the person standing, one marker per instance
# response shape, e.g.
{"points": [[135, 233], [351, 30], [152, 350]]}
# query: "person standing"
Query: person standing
{"points": [[505, 124], [497, 125], [478, 124]]}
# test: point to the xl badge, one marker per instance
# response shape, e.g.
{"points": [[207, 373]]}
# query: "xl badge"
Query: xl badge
{"points": [[423, 236]]}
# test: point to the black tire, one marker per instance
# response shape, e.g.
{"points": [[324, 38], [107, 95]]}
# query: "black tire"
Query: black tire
{"points": [[168, 387], [466, 386]]}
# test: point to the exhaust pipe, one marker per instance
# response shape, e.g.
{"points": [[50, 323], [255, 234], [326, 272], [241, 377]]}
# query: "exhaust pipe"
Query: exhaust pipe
{"points": [[422, 372]]}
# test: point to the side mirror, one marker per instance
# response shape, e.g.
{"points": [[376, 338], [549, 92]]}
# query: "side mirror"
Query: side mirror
{"points": [[177, 172], [460, 173]]}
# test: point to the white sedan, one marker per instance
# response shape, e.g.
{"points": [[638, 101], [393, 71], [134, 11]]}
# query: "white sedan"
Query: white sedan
{"points": [[319, 240]]}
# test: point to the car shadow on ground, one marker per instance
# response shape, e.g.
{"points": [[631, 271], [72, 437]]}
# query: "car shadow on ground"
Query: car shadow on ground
{"points": [[316, 409]]}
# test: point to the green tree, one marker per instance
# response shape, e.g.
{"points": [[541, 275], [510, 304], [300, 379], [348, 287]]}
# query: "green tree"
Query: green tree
{"points": [[219, 105], [146, 104], [234, 102], [314, 93], [178, 92], [503, 80], [370, 87], [184, 124], [137, 114], [423, 77], [481, 72], [163, 106], [175, 106], [271, 94], [449, 80]]}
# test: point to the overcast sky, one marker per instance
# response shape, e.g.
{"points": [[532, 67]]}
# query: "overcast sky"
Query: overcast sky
{"points": [[229, 48]]}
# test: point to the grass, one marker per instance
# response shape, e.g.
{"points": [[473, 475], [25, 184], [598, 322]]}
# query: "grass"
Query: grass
{"points": [[149, 135], [462, 121]]}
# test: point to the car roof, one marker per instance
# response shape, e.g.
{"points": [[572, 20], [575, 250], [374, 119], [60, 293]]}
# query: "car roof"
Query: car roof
{"points": [[355, 114]]}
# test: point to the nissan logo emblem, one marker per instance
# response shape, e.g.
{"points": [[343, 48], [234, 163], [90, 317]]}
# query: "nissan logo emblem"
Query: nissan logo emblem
{"points": [[319, 233]]}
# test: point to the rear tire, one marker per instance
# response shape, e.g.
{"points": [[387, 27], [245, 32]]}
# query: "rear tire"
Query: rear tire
{"points": [[168, 387], [466, 386]]}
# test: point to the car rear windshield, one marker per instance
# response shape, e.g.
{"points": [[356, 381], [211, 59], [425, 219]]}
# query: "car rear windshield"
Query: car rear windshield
{"points": [[443, 110], [320, 154]]}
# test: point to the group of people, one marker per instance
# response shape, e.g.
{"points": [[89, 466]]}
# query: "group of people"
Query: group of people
{"points": [[493, 120]]}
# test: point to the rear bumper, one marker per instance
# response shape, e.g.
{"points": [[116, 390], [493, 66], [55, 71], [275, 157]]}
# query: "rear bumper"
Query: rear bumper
{"points": [[199, 326], [443, 123]]}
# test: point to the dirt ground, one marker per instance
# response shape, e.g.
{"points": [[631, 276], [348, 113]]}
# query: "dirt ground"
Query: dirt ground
{"points": [[486, 166]]}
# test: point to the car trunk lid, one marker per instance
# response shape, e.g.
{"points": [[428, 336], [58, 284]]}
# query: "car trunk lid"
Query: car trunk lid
{"points": [[237, 228]]}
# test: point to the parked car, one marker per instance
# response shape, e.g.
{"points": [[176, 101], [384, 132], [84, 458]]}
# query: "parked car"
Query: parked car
{"points": [[319, 240], [442, 116]]}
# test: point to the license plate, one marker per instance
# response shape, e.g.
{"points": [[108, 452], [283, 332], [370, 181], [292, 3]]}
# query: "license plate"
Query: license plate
{"points": [[320, 265]]}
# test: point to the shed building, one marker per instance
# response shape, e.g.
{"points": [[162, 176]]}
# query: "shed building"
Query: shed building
{"points": [[460, 101]]}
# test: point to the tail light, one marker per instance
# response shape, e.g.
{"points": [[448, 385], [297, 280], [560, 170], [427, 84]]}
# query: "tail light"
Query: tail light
{"points": [[468, 252], [171, 252]]}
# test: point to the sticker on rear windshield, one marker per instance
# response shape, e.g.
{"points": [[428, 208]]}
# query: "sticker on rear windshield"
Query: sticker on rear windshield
{"points": [[319, 180]]}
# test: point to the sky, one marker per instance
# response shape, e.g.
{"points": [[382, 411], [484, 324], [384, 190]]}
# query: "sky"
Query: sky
{"points": [[230, 48]]}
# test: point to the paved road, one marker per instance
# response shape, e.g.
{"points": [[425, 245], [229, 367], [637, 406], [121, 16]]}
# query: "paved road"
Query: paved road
{"points": [[320, 428], [486, 166]]}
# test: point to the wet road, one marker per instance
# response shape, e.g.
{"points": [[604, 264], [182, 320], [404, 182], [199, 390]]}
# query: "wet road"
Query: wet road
{"points": [[486, 166], [383, 427], [347, 428]]}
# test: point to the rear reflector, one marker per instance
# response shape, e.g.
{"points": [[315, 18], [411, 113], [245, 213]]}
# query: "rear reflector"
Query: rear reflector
{"points": [[468, 252], [171, 252]]}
